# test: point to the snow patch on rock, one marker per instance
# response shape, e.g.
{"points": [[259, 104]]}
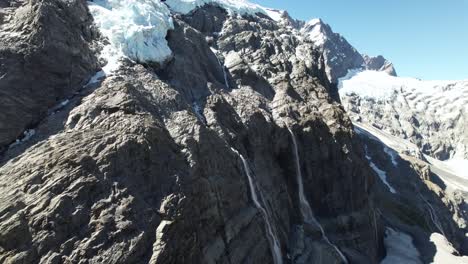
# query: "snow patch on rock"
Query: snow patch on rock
{"points": [[382, 174], [314, 32], [445, 252], [137, 29], [400, 248]]}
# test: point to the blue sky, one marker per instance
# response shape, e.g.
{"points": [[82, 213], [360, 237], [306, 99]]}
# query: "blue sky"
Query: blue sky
{"points": [[427, 39]]}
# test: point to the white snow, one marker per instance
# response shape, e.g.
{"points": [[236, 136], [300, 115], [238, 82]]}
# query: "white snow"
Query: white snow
{"points": [[457, 166], [382, 174], [452, 175], [276, 15], [314, 21], [445, 253], [392, 154], [381, 85], [135, 29], [314, 32], [400, 248]]}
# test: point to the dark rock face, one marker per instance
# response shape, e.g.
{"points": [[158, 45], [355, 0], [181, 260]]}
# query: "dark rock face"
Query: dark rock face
{"points": [[45, 55], [144, 169], [379, 63], [338, 55], [423, 203]]}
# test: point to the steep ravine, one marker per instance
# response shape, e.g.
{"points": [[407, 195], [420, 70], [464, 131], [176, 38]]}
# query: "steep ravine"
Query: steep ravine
{"points": [[150, 165]]}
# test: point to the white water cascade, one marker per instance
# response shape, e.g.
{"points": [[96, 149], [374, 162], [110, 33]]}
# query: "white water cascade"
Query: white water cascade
{"points": [[433, 215], [306, 210], [272, 238], [226, 82]]}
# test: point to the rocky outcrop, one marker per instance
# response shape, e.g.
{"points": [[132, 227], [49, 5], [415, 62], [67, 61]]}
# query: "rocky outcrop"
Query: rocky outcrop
{"points": [[46, 54], [169, 164], [379, 63], [339, 56], [142, 170]]}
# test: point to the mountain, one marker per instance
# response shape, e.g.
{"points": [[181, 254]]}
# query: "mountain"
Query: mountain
{"points": [[202, 131], [431, 114], [339, 56]]}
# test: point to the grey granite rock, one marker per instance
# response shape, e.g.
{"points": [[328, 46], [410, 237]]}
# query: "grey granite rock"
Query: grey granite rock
{"points": [[46, 54], [141, 167]]}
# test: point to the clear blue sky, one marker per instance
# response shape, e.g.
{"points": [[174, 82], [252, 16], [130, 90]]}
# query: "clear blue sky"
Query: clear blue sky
{"points": [[427, 39]]}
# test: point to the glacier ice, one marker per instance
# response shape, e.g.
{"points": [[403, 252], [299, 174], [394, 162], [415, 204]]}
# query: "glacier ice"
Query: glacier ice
{"points": [[135, 29]]}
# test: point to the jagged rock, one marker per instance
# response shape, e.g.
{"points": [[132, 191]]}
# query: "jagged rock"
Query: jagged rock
{"points": [[338, 54], [46, 54], [379, 63], [156, 163]]}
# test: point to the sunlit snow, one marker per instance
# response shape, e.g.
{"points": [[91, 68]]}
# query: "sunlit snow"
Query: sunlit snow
{"points": [[137, 29], [445, 253], [314, 32], [381, 85]]}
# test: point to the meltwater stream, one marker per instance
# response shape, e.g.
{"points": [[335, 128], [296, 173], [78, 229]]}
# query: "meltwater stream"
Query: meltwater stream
{"points": [[226, 82], [306, 210], [272, 238]]}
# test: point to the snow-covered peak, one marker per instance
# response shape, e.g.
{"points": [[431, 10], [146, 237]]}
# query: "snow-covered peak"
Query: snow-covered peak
{"points": [[314, 22], [275, 14], [314, 30]]}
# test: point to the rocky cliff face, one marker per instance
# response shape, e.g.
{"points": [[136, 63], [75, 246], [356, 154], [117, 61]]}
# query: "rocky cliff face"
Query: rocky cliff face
{"points": [[338, 55], [192, 161], [47, 52]]}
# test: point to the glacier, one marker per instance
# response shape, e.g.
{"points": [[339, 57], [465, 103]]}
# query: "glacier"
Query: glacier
{"points": [[137, 29]]}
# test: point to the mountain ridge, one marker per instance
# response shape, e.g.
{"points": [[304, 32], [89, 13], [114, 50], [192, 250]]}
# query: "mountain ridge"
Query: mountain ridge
{"points": [[205, 156]]}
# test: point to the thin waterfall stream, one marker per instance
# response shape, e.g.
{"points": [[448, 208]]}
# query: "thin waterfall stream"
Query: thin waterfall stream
{"points": [[226, 82], [272, 237], [306, 210]]}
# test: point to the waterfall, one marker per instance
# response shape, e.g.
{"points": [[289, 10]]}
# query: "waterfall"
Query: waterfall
{"points": [[306, 210], [433, 215], [272, 238], [226, 82]]}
